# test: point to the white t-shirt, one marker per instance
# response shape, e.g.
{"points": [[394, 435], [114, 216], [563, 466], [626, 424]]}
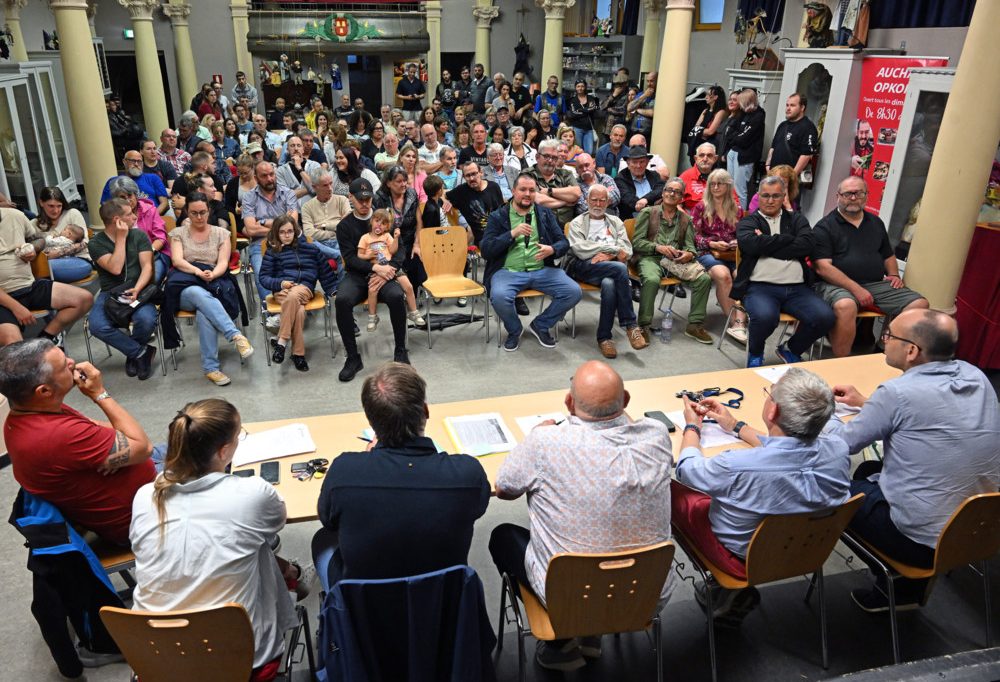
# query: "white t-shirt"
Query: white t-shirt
{"points": [[429, 155], [599, 232], [216, 548]]}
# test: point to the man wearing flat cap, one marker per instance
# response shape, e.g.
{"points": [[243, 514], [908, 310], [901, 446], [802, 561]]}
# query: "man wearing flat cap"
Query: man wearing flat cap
{"points": [[639, 186]]}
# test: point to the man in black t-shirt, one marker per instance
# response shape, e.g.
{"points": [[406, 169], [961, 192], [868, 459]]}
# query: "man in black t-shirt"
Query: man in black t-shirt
{"points": [[411, 90], [476, 198], [796, 140], [856, 265], [477, 150]]}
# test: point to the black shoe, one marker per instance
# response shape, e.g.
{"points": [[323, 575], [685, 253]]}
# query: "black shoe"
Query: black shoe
{"points": [[300, 363], [278, 354], [730, 606], [873, 601], [512, 342], [357, 330], [130, 370], [636, 294], [144, 363], [401, 355], [521, 306], [681, 292], [351, 368], [542, 335]]}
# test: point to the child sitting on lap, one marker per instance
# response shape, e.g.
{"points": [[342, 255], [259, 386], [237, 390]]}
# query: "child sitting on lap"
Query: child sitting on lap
{"points": [[379, 246]]}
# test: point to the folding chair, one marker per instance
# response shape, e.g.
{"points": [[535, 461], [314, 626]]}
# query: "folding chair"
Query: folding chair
{"points": [[319, 302], [591, 594], [783, 546], [971, 535], [444, 252]]}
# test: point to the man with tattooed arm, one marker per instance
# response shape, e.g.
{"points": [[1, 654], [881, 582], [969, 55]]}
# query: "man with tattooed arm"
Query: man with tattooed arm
{"points": [[89, 469]]}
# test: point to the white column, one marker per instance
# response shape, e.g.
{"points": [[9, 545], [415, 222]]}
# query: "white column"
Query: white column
{"points": [[147, 62], [85, 97], [178, 12], [18, 52], [485, 13], [432, 9], [671, 85], [241, 28], [651, 35], [552, 57]]}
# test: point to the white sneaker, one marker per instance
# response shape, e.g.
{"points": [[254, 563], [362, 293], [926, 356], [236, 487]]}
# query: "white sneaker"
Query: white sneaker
{"points": [[416, 318], [738, 332], [372, 323]]}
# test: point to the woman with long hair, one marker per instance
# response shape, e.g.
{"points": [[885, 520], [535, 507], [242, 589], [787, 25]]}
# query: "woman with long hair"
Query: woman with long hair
{"points": [[346, 169], [745, 142], [573, 150], [244, 181], [542, 130], [335, 139], [210, 105], [290, 269], [581, 109], [732, 115], [357, 126], [463, 136], [54, 213], [714, 220], [408, 159], [710, 121], [401, 199], [203, 538], [324, 122]]}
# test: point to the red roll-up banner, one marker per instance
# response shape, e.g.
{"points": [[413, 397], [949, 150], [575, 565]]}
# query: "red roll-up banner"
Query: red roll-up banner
{"points": [[883, 91]]}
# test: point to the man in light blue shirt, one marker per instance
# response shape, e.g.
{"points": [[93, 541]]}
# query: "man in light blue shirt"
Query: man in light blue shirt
{"points": [[940, 426], [792, 469]]}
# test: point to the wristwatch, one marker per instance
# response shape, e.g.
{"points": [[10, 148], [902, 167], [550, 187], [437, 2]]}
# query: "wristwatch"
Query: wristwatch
{"points": [[739, 427], [101, 396]]}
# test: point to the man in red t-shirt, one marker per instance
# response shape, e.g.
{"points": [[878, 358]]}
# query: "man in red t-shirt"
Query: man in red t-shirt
{"points": [[696, 177], [90, 470]]}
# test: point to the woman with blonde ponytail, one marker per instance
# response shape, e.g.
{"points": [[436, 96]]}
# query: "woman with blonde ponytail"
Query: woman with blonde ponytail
{"points": [[203, 538]]}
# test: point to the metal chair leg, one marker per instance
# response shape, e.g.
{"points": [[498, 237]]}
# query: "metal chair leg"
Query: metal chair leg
{"points": [[989, 607], [427, 319], [86, 338], [822, 617], [503, 608], [657, 648]]}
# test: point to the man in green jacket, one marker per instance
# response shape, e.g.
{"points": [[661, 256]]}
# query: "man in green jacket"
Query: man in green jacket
{"points": [[664, 243]]}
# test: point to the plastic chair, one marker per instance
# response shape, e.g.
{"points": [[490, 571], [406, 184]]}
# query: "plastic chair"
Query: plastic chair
{"points": [[444, 251], [318, 302], [783, 546], [971, 535], [40, 269], [625, 587]]}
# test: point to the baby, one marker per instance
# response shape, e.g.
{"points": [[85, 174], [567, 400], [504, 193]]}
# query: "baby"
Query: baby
{"points": [[379, 246], [68, 236]]}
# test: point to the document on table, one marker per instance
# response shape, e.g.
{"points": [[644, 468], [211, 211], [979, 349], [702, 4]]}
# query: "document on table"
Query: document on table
{"points": [[526, 424], [480, 434], [712, 435], [773, 373], [283, 441]]}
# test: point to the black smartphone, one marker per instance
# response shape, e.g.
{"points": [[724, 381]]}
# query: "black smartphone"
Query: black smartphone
{"points": [[662, 418], [269, 472], [244, 473], [299, 467]]}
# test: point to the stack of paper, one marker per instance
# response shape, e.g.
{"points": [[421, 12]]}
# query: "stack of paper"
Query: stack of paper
{"points": [[480, 434], [283, 441], [712, 435]]}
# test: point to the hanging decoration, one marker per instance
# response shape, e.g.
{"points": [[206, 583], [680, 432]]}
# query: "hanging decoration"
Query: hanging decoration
{"points": [[6, 41], [340, 28]]}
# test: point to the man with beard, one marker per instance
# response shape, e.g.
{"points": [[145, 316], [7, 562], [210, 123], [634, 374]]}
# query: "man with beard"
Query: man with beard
{"points": [[551, 101], [150, 185], [476, 198], [151, 163], [477, 88], [446, 93], [588, 176], [864, 145]]}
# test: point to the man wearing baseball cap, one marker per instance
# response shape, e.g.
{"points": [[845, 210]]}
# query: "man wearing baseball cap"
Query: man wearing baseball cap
{"points": [[362, 275]]}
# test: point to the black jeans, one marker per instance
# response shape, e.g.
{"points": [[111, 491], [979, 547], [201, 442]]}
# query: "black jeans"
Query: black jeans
{"points": [[352, 291], [874, 524]]}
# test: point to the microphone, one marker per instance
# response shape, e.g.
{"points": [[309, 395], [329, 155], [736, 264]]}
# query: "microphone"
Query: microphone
{"points": [[527, 238]]}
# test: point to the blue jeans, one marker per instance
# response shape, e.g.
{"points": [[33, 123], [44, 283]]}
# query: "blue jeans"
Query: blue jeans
{"points": [[708, 261], [69, 269], [616, 293], [331, 249], [161, 263], [212, 319], [585, 138], [130, 345], [741, 175], [764, 302], [553, 282], [256, 259]]}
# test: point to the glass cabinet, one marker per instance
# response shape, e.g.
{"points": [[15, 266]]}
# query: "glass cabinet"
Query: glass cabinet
{"points": [[34, 149]]}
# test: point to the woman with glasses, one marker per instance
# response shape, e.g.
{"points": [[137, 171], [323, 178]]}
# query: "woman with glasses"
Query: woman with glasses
{"points": [[203, 537], [376, 139], [714, 220], [401, 199], [66, 263], [519, 154], [200, 283]]}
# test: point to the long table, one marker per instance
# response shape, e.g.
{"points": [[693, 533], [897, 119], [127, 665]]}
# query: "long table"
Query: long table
{"points": [[334, 434]]}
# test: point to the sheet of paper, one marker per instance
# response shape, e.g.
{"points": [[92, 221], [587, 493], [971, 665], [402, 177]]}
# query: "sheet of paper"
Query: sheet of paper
{"points": [[526, 424], [283, 441], [773, 373], [712, 435], [480, 434]]}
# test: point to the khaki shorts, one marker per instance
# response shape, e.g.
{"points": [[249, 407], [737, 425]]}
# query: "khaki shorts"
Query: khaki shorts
{"points": [[890, 301]]}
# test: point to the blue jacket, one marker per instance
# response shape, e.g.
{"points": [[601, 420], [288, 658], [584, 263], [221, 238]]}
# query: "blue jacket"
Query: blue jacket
{"points": [[496, 241], [303, 265]]}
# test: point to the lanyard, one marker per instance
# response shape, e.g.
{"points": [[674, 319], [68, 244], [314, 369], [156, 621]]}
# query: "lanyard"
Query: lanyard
{"points": [[697, 396]]}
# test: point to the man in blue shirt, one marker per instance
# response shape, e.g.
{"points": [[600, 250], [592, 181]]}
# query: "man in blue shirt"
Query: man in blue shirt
{"points": [[610, 154], [793, 468], [940, 425], [150, 185], [552, 101]]}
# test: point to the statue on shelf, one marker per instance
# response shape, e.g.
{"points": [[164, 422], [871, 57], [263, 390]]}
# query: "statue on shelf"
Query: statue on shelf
{"points": [[817, 26], [265, 72], [595, 27], [297, 72], [284, 69], [607, 27], [335, 80], [320, 83]]}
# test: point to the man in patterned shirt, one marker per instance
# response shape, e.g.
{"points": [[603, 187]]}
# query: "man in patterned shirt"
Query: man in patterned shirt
{"points": [[171, 153], [596, 482]]}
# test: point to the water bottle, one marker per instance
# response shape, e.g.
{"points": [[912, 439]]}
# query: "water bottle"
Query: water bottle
{"points": [[667, 326]]}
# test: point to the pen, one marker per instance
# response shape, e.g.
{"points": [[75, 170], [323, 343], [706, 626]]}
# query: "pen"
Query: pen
{"points": [[367, 440], [559, 422]]}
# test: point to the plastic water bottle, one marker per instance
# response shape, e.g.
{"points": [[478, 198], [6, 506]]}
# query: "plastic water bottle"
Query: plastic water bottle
{"points": [[667, 326]]}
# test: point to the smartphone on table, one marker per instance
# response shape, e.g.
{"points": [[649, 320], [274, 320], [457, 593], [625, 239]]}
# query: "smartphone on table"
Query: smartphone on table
{"points": [[269, 472], [662, 418]]}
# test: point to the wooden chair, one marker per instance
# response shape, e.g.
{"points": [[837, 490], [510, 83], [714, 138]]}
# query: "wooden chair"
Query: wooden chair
{"points": [[527, 293], [116, 559], [591, 594], [318, 302], [584, 287], [169, 223], [972, 535], [665, 282], [783, 546], [206, 644], [444, 251], [41, 270]]}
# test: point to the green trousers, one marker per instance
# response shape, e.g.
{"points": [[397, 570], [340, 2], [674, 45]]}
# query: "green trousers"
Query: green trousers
{"points": [[650, 273]]}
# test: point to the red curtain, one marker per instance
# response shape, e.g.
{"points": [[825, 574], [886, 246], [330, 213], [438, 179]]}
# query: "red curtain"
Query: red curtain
{"points": [[978, 301]]}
